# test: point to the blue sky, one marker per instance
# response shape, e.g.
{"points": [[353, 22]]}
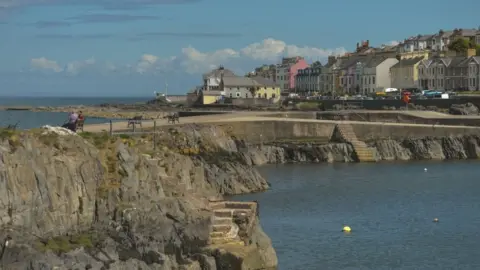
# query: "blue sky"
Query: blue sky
{"points": [[131, 47]]}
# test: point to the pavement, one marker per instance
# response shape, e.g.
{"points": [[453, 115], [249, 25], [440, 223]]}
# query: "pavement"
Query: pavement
{"points": [[257, 116], [420, 114]]}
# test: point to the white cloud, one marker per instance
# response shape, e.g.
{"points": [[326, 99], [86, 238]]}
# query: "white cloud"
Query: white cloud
{"points": [[267, 51], [76, 66], [44, 63], [193, 61], [146, 62], [271, 49]]}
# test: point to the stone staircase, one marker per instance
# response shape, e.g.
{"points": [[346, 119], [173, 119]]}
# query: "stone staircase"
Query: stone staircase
{"points": [[224, 230], [364, 153]]}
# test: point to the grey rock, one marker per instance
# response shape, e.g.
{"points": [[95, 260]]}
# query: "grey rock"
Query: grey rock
{"points": [[464, 109]]}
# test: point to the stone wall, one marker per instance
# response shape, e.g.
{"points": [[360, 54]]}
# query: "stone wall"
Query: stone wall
{"points": [[396, 117], [243, 102], [270, 131], [379, 104], [275, 131], [378, 131]]}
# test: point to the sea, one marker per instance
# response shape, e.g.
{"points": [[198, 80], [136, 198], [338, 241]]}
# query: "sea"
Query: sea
{"points": [[390, 208], [28, 119]]}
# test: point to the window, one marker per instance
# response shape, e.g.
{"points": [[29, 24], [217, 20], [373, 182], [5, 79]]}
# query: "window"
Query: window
{"points": [[246, 95], [231, 95], [238, 94], [373, 79]]}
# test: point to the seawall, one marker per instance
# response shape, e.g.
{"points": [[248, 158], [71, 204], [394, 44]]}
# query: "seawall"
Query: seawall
{"points": [[262, 142], [415, 117], [277, 130], [380, 104]]}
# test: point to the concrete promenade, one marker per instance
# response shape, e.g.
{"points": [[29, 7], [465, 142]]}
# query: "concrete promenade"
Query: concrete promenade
{"points": [[267, 116]]}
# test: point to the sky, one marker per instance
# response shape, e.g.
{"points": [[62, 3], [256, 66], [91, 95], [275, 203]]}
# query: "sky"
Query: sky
{"points": [[135, 47]]}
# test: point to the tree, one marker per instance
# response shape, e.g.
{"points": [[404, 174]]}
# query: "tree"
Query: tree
{"points": [[460, 45], [253, 90]]}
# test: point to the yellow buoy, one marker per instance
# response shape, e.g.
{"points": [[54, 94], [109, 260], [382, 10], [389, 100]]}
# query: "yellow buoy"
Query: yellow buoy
{"points": [[346, 229], [435, 220]]}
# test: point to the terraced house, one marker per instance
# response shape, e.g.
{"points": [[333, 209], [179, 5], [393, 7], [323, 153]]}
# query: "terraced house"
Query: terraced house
{"points": [[432, 73], [450, 73], [287, 70], [310, 79], [329, 72], [246, 87], [404, 74], [373, 74]]}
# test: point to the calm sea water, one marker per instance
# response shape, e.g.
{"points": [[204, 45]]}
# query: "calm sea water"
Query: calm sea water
{"points": [[27, 119], [390, 208]]}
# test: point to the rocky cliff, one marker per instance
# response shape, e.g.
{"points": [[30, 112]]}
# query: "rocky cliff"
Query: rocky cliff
{"points": [[91, 201], [97, 202], [441, 148]]}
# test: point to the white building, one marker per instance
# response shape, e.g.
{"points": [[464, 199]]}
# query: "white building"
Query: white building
{"points": [[212, 79], [417, 43], [374, 74]]}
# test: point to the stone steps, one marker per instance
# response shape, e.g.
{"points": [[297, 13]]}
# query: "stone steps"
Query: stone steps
{"points": [[224, 230], [362, 150], [221, 241]]}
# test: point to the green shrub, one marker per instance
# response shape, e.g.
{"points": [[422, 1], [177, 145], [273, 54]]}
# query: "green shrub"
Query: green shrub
{"points": [[306, 106]]}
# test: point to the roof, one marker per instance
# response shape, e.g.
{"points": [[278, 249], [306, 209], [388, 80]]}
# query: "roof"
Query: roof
{"points": [[263, 81], [212, 93], [454, 61], [351, 61], [425, 37], [464, 62], [374, 61], [218, 72], [408, 62], [239, 81], [426, 62]]}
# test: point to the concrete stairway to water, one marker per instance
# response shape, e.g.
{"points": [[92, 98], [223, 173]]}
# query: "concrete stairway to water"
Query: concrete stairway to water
{"points": [[364, 153], [224, 230]]}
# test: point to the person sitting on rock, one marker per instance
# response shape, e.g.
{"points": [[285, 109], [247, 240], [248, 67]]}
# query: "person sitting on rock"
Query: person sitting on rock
{"points": [[80, 116], [71, 122]]}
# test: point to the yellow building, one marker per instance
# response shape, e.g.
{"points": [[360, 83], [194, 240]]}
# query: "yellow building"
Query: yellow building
{"points": [[404, 74], [211, 97], [415, 54], [266, 88]]}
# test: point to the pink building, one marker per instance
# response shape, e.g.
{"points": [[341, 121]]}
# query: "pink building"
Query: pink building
{"points": [[287, 70]]}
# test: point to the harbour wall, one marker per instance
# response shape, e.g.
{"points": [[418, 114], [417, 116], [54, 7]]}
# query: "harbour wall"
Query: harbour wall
{"points": [[278, 130], [381, 104]]}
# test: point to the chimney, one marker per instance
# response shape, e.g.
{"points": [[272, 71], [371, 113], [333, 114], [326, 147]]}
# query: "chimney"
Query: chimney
{"points": [[332, 59], [471, 52]]}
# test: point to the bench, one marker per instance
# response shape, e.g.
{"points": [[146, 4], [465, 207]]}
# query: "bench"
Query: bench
{"points": [[79, 124], [137, 120]]}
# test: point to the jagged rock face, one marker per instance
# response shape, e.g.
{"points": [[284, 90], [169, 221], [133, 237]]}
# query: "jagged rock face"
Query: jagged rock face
{"points": [[150, 213], [460, 147], [464, 109]]}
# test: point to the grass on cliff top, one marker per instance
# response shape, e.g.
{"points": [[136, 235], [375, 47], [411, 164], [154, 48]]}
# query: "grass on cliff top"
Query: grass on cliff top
{"points": [[100, 140], [308, 106], [64, 244], [13, 137]]}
